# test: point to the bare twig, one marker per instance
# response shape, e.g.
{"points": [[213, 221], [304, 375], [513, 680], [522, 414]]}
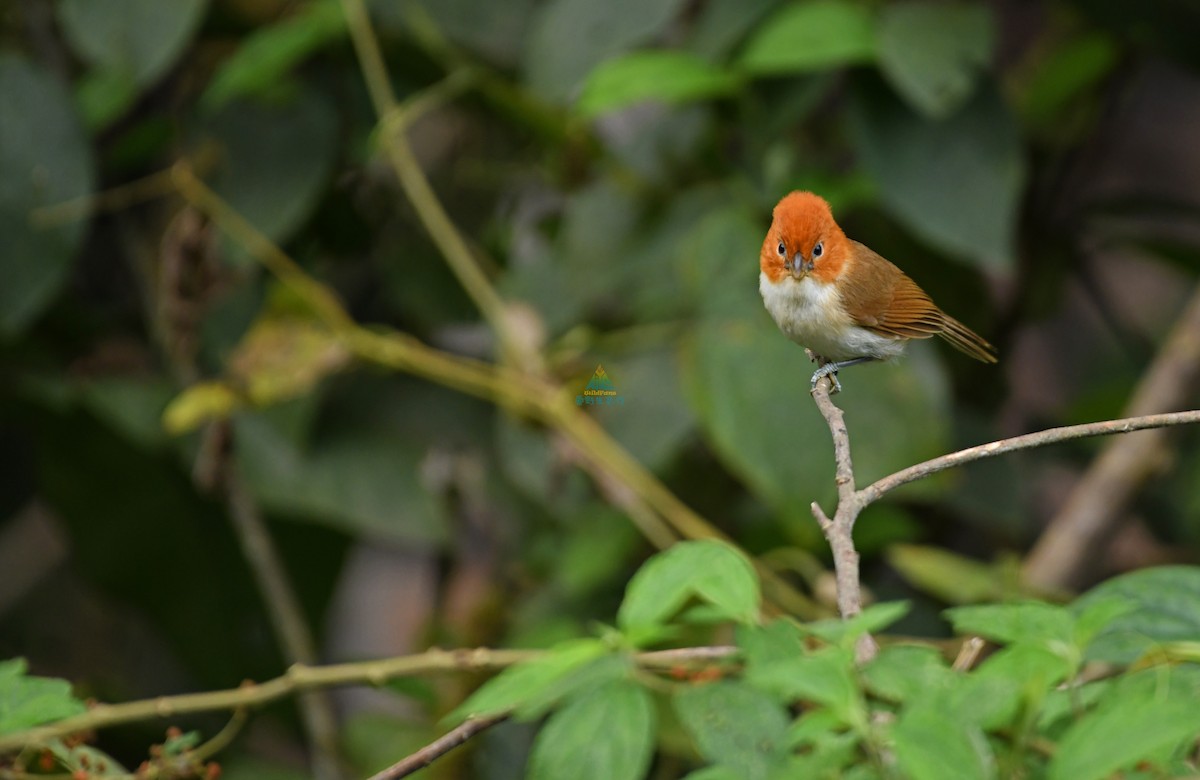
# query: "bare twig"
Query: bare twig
{"points": [[439, 747], [1096, 507], [839, 530], [302, 678]]}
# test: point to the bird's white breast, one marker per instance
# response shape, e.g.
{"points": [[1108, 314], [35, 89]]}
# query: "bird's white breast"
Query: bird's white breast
{"points": [[811, 313]]}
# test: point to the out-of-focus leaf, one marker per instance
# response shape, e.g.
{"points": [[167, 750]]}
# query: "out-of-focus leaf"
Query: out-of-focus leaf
{"points": [[45, 160], [139, 37], [1134, 723], [362, 480], [267, 55], [27, 701], [722, 24], [933, 52], [707, 570], [569, 37], [516, 685], [497, 31], [901, 673], [950, 577], [1033, 622], [825, 677], [104, 95], [654, 419], [607, 734], [1164, 607], [133, 406], [931, 745], [371, 741], [871, 620], [954, 182], [667, 76], [200, 403], [274, 159], [809, 36], [1065, 72], [283, 357], [735, 726]]}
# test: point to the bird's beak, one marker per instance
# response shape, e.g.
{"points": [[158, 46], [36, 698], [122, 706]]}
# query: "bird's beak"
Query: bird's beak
{"points": [[797, 266]]}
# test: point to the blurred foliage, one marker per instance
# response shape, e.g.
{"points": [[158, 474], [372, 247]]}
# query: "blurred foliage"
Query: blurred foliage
{"points": [[612, 166]]}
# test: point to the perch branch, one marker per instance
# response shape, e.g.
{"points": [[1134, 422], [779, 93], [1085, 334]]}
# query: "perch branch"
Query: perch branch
{"points": [[302, 678], [1096, 507]]}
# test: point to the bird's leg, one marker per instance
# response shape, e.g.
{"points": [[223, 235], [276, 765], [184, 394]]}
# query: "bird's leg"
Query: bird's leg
{"points": [[830, 370]]}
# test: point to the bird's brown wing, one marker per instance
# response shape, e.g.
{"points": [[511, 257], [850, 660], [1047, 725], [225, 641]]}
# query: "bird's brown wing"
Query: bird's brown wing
{"points": [[884, 300]]}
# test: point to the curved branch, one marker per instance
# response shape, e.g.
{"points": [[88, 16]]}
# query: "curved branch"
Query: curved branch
{"points": [[439, 747]]}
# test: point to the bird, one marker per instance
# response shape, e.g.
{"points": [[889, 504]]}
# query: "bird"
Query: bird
{"points": [[841, 301]]}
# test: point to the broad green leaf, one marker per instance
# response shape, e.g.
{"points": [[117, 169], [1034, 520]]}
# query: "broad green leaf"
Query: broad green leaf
{"points": [[570, 37], [812, 35], [268, 54], [1010, 681], [496, 31], [954, 182], [930, 745], [130, 405], [722, 24], [1164, 607], [713, 773], [901, 673], [951, 577], [667, 76], [1065, 72], [1133, 723], [27, 701], [765, 645], [609, 734], [934, 52], [873, 619], [518, 684], [735, 726], [1033, 622], [45, 160], [273, 160], [140, 37], [709, 571], [355, 478], [825, 677]]}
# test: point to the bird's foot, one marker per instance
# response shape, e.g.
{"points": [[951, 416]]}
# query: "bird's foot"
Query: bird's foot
{"points": [[827, 370]]}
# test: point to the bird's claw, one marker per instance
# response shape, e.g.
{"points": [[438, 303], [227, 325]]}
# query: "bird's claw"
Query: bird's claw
{"points": [[827, 370]]}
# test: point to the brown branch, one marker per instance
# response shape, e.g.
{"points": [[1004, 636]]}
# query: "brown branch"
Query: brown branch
{"points": [[439, 747], [1096, 507], [301, 678]]}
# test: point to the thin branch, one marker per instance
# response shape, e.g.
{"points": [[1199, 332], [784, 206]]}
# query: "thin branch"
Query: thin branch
{"points": [[439, 747], [1097, 505], [1028, 441], [302, 678]]}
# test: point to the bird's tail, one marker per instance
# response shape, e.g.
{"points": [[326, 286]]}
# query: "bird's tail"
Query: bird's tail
{"points": [[966, 340]]}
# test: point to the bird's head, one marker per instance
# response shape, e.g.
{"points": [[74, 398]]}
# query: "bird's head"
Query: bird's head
{"points": [[804, 240]]}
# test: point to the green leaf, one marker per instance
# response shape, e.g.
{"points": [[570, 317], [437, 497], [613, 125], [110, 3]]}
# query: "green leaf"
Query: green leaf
{"points": [[354, 478], [608, 734], [872, 620], [735, 726], [710, 571], [934, 52], [667, 76], [45, 160], [808, 36], [930, 745], [140, 37], [955, 182], [1134, 723], [27, 701], [570, 37], [268, 54], [274, 160], [1034, 622], [520, 684], [950, 577], [903, 672], [826, 677], [1164, 606], [1067, 71]]}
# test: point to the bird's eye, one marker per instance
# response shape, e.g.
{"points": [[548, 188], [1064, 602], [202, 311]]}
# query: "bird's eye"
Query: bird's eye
{"points": [[818, 250], [781, 249]]}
